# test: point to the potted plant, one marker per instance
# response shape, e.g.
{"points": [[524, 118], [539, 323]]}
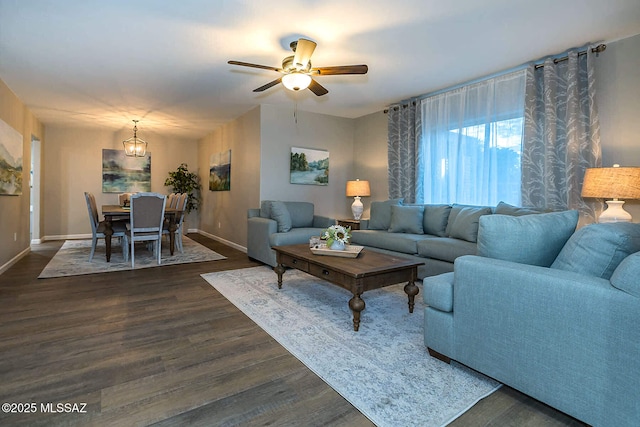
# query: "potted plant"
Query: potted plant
{"points": [[184, 181]]}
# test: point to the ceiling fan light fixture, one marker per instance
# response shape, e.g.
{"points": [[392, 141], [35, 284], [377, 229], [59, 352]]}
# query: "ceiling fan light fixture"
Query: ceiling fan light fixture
{"points": [[296, 81]]}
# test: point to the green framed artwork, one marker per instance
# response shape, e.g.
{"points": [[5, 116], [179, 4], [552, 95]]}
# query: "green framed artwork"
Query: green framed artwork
{"points": [[309, 166], [10, 161], [124, 174]]}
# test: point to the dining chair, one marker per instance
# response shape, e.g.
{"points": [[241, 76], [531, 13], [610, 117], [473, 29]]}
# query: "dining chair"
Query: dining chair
{"points": [[181, 204], [98, 227], [172, 199], [145, 223]]}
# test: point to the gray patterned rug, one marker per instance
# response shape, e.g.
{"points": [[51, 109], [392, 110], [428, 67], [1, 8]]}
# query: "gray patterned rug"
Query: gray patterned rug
{"points": [[72, 259], [383, 369]]}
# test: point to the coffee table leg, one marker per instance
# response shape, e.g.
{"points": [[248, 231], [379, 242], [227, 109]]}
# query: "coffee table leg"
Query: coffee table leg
{"points": [[356, 304], [412, 290], [279, 269]]}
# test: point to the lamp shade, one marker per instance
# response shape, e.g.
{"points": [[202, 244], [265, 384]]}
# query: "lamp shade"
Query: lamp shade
{"points": [[358, 188], [612, 183]]}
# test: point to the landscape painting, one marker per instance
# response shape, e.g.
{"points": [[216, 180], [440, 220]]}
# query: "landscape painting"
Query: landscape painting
{"points": [[309, 166], [10, 161], [220, 171], [124, 174]]}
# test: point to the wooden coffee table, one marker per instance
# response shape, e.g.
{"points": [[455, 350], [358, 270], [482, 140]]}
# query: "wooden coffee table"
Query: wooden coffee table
{"points": [[370, 270]]}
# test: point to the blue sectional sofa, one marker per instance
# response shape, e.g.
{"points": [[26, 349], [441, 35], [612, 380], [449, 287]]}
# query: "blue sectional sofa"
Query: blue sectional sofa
{"points": [[434, 234], [279, 223], [548, 311]]}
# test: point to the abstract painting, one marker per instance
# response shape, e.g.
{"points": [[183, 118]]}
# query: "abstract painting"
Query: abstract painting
{"points": [[309, 166], [10, 160], [220, 171], [124, 174]]}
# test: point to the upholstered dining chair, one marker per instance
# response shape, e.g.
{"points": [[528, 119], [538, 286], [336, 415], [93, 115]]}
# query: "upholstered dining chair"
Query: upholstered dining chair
{"points": [[181, 204], [98, 227], [145, 223], [172, 199]]}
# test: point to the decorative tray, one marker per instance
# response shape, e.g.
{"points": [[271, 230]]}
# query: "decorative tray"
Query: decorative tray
{"points": [[350, 251]]}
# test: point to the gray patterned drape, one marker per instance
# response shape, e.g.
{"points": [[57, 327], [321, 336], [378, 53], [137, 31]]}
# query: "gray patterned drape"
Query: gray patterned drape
{"points": [[561, 134], [404, 126]]}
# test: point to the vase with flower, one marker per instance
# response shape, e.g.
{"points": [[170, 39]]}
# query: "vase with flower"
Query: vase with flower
{"points": [[337, 237]]}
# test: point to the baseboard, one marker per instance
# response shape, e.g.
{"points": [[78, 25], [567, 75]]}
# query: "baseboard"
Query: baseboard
{"points": [[13, 260], [219, 239]]}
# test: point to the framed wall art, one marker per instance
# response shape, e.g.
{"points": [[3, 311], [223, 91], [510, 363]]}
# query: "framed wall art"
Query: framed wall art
{"points": [[220, 171], [10, 160], [309, 166], [124, 174]]}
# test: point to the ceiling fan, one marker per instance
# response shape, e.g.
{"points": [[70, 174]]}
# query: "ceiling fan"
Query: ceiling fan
{"points": [[297, 70]]}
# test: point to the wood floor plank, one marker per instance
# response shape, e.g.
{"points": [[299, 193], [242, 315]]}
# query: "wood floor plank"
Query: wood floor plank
{"points": [[161, 346]]}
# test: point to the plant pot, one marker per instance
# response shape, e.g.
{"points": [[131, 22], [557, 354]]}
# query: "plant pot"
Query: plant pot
{"points": [[337, 246]]}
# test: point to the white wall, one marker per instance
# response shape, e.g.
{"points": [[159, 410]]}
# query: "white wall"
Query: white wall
{"points": [[618, 95]]}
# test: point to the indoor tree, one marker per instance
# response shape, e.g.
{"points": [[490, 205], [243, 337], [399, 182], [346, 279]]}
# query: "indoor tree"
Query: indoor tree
{"points": [[184, 181]]}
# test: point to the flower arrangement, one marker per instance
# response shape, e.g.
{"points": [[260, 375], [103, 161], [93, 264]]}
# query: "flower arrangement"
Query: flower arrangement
{"points": [[336, 233]]}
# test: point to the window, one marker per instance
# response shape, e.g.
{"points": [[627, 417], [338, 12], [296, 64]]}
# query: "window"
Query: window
{"points": [[472, 142]]}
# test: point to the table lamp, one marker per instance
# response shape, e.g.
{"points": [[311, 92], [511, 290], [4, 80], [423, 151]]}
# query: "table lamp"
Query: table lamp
{"points": [[357, 189], [616, 183]]}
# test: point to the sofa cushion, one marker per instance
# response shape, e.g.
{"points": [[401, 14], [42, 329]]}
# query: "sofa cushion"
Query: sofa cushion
{"points": [[399, 242], [296, 236], [280, 214], [438, 291], [301, 213], [380, 214], [534, 239], [506, 209], [597, 249], [445, 248], [406, 219], [435, 219], [463, 221], [626, 276]]}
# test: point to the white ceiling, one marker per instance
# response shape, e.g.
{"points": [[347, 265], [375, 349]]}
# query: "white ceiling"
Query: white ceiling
{"points": [[164, 62]]}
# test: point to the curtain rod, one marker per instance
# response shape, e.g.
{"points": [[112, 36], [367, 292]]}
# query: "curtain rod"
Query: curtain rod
{"points": [[598, 49]]}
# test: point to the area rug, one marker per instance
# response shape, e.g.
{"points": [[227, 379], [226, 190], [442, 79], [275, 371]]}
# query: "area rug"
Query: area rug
{"points": [[383, 369], [72, 259]]}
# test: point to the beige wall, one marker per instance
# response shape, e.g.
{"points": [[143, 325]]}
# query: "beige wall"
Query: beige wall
{"points": [[223, 213], [73, 164], [14, 210], [618, 94]]}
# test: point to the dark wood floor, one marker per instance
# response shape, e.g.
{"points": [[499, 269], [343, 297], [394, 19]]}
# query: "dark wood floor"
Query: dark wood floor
{"points": [[160, 346]]}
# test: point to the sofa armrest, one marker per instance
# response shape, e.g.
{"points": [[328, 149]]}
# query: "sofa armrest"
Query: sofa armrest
{"points": [[258, 231], [529, 326], [320, 221]]}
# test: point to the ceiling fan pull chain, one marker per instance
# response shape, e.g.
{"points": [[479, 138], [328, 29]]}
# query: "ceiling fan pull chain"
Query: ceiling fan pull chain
{"points": [[295, 112]]}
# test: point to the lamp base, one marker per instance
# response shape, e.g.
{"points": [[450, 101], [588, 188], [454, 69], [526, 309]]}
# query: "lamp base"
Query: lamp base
{"points": [[357, 208], [614, 212]]}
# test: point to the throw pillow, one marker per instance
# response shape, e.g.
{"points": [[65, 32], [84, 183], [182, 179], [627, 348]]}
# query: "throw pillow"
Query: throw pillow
{"points": [[597, 249], [406, 219], [625, 277], [507, 209], [280, 214], [531, 239], [435, 219], [380, 214], [465, 222]]}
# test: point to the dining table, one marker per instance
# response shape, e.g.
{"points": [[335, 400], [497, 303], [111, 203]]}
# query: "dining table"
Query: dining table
{"points": [[116, 212]]}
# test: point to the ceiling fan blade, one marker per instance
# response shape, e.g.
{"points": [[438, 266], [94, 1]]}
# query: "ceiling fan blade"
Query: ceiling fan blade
{"points": [[317, 88], [341, 69], [304, 50], [268, 85], [248, 64]]}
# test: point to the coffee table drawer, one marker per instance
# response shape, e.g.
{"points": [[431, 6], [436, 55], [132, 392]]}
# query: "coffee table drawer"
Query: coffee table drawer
{"points": [[328, 274], [294, 262]]}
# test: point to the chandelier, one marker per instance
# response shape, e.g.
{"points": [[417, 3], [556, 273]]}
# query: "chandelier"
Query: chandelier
{"points": [[134, 146]]}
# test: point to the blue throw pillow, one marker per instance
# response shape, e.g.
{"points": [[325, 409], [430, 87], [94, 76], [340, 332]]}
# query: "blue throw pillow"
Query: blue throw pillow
{"points": [[627, 276], [463, 222], [435, 219], [280, 214], [597, 249], [507, 209], [407, 219], [380, 214], [534, 239]]}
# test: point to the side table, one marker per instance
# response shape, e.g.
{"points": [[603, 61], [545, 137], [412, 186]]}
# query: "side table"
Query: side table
{"points": [[353, 223]]}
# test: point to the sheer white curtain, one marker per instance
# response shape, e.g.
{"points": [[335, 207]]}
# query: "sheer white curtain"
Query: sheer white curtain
{"points": [[472, 142]]}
